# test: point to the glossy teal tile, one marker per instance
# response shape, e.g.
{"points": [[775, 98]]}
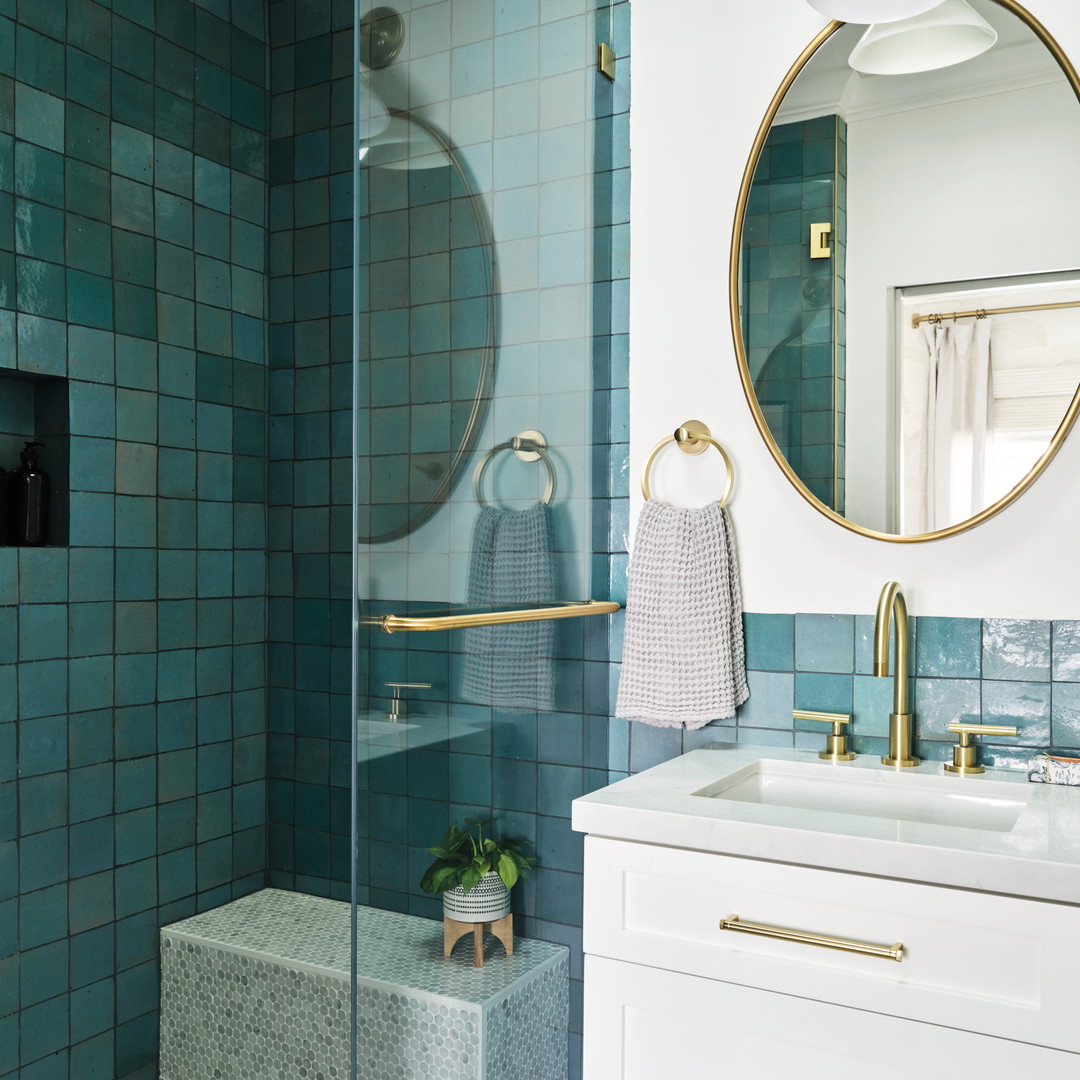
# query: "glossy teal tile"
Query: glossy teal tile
{"points": [[90, 355], [42, 631], [136, 416], [88, 191], [136, 567], [950, 647], [132, 100], [822, 693], [1065, 642], [136, 364], [1025, 705], [42, 803], [940, 702], [42, 688], [39, 231], [1016, 649], [89, 27], [89, 300], [1065, 715], [136, 522], [769, 641], [40, 288], [771, 700], [39, 60], [92, 520], [824, 643]]}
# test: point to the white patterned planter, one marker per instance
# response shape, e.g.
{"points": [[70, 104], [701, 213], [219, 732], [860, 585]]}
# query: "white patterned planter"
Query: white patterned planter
{"points": [[486, 901]]}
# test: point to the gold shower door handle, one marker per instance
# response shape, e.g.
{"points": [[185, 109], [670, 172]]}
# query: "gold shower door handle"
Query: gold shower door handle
{"points": [[823, 941], [820, 233]]}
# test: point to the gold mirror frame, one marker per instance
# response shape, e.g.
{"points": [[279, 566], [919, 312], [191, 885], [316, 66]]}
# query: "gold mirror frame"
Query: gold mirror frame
{"points": [[736, 320]]}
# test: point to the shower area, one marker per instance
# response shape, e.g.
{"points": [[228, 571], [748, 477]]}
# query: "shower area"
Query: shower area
{"points": [[320, 311], [793, 297]]}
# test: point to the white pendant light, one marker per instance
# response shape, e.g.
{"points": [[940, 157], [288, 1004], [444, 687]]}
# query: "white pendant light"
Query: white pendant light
{"points": [[949, 34], [871, 11]]}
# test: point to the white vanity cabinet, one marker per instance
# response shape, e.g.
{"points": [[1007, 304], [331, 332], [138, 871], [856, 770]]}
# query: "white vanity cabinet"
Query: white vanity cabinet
{"points": [[985, 905], [988, 986]]}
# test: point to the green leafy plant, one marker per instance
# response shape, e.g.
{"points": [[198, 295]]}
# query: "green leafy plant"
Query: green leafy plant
{"points": [[464, 856]]}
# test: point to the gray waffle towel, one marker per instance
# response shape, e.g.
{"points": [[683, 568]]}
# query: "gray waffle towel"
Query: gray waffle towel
{"points": [[683, 659], [511, 666]]}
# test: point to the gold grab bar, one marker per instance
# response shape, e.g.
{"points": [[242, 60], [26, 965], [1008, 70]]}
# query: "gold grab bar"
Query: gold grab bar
{"points": [[392, 623], [863, 948]]}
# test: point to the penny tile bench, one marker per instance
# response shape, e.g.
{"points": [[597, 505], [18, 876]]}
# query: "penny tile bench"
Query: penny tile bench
{"points": [[259, 988]]}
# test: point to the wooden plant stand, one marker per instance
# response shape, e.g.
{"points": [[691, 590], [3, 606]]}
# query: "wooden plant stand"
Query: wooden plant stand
{"points": [[454, 931]]}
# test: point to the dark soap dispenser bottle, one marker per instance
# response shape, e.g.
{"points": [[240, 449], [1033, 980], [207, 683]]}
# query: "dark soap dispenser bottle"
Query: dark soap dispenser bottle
{"points": [[28, 501], [3, 506]]}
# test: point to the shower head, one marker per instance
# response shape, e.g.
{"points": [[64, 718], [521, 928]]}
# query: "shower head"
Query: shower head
{"points": [[382, 33]]}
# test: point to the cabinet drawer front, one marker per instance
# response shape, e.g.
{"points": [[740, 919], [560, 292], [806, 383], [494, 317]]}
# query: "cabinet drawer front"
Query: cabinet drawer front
{"points": [[641, 1024], [977, 961]]}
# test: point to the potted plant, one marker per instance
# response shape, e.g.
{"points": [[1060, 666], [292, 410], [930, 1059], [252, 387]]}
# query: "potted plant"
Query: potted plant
{"points": [[475, 872]]}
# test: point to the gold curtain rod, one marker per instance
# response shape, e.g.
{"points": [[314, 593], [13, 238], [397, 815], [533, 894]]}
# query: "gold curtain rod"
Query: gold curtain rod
{"points": [[981, 313], [392, 623]]}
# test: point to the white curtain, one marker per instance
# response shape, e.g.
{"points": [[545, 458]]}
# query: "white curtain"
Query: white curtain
{"points": [[946, 459]]}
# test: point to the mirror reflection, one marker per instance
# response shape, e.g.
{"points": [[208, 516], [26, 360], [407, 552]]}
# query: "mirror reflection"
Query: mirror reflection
{"points": [[908, 287], [429, 281]]}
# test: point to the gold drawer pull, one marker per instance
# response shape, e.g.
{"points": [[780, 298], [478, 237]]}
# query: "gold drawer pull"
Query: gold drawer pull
{"points": [[886, 952]]}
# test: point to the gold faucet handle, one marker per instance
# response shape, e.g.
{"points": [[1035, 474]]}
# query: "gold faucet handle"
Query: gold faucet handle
{"points": [[836, 746], [965, 754]]}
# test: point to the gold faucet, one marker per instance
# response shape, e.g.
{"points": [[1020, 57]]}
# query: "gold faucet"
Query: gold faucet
{"points": [[891, 604]]}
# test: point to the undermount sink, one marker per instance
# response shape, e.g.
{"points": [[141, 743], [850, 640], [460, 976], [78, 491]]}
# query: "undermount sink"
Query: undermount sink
{"points": [[931, 800]]}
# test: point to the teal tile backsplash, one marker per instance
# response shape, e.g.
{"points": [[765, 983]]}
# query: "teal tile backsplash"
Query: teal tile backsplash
{"points": [[1021, 672]]}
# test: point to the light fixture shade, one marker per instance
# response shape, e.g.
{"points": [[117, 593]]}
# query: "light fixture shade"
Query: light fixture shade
{"points": [[949, 34], [872, 11]]}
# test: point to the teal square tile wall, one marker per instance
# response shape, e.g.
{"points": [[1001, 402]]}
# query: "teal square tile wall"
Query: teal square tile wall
{"points": [[132, 265]]}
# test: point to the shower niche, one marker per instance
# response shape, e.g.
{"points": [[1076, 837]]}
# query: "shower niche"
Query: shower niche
{"points": [[34, 408]]}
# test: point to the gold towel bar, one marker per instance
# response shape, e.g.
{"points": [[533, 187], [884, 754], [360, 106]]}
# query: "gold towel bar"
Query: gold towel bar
{"points": [[693, 437], [885, 952], [392, 623]]}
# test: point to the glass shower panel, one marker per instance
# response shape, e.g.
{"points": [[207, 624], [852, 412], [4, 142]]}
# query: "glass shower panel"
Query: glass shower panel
{"points": [[481, 440]]}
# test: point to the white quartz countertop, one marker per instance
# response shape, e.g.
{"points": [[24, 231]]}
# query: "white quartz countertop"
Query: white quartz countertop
{"points": [[1038, 856]]}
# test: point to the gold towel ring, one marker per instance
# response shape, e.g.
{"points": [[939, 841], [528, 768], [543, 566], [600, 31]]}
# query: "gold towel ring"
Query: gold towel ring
{"points": [[527, 446], [693, 437]]}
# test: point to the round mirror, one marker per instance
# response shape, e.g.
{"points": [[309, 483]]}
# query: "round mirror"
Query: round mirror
{"points": [[430, 289], [905, 279]]}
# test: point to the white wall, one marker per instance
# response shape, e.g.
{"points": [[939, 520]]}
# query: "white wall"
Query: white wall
{"points": [[974, 189], [692, 125]]}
